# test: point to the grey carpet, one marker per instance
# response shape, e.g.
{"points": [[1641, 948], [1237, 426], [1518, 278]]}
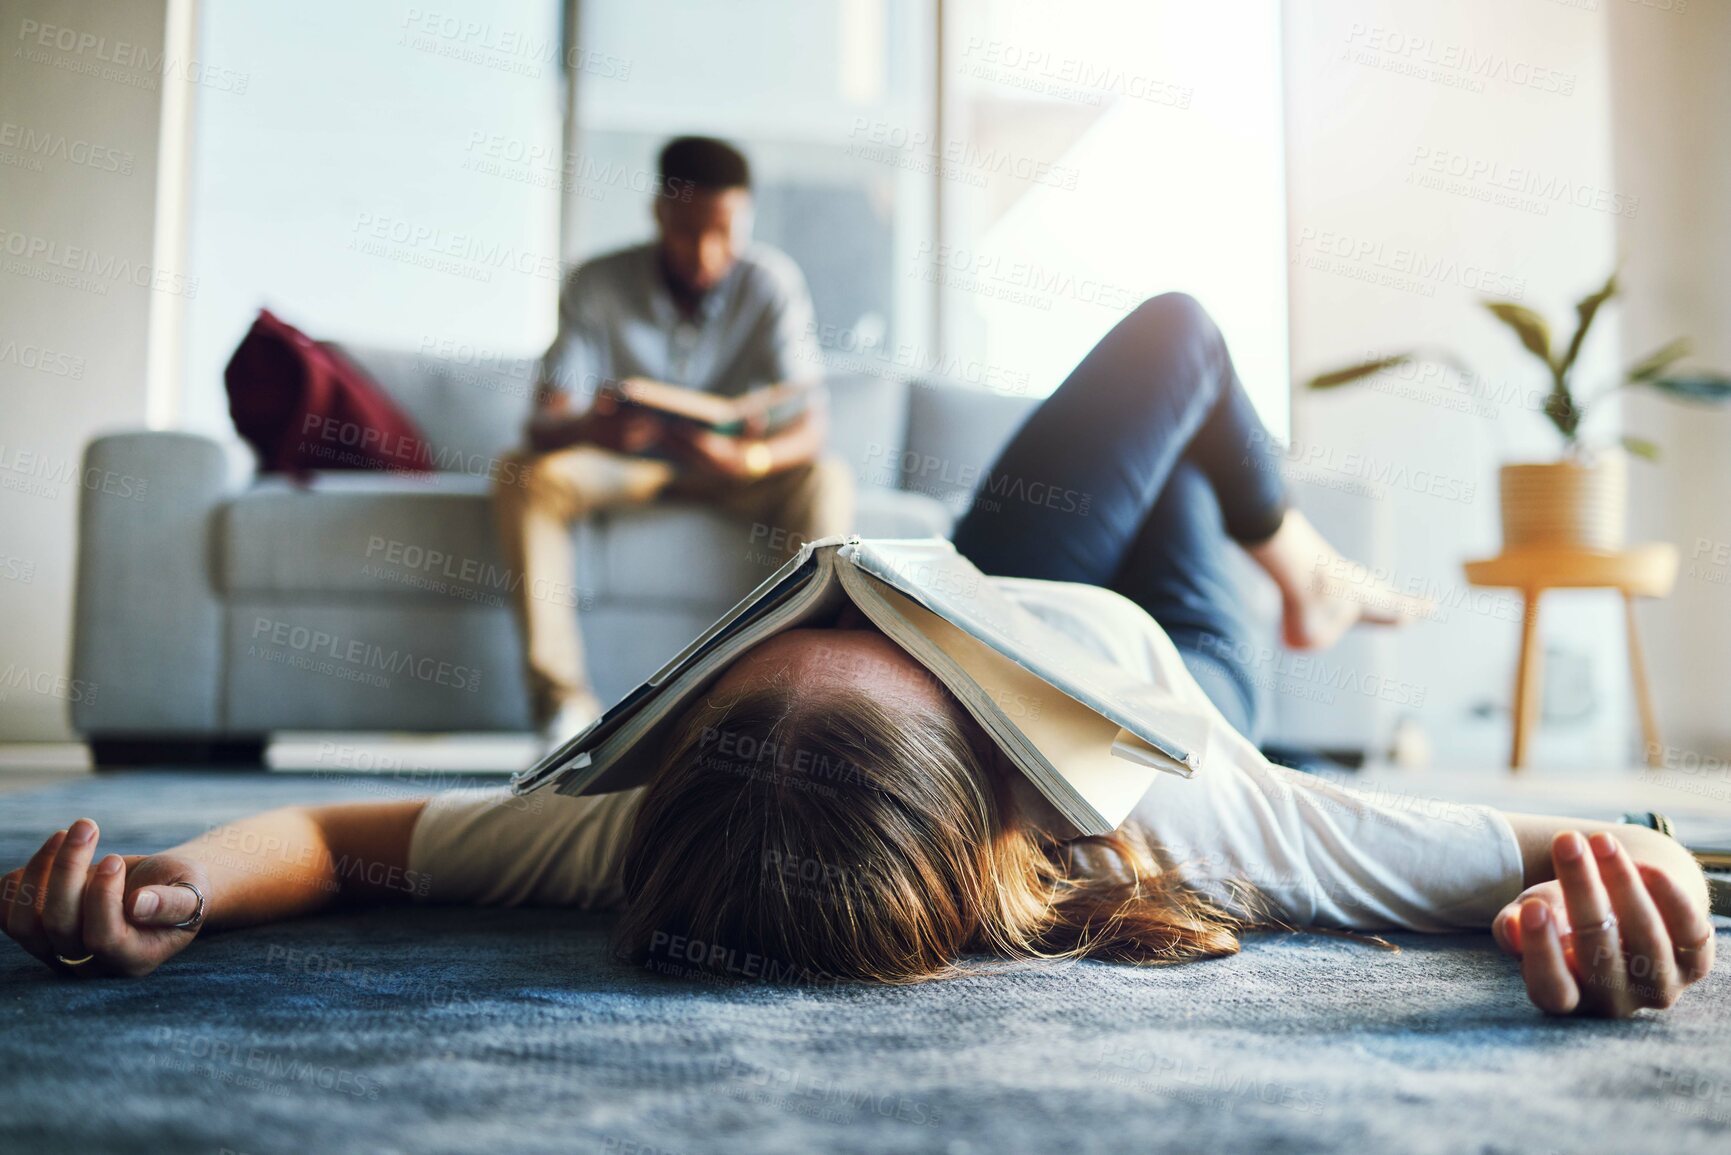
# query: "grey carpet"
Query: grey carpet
{"points": [[467, 1031]]}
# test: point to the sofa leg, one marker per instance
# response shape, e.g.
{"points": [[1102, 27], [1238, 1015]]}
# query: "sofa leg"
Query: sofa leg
{"points": [[123, 752]]}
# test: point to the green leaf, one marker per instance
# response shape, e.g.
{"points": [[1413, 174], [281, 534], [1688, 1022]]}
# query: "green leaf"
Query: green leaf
{"points": [[1586, 310], [1659, 360], [1534, 333], [1356, 372], [1564, 413], [1641, 447], [1710, 387]]}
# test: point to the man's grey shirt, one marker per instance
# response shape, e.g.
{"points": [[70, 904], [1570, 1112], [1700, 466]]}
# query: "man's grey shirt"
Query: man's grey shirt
{"points": [[618, 319]]}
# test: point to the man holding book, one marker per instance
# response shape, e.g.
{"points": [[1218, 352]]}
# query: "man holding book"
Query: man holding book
{"points": [[684, 367]]}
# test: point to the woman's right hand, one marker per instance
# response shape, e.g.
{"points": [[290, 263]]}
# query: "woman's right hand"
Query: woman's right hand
{"points": [[121, 911], [1610, 935]]}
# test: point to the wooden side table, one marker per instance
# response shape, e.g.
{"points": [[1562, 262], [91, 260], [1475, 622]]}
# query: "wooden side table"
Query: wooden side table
{"points": [[1643, 571]]}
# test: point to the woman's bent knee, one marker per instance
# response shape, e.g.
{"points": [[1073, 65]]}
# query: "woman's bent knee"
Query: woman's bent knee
{"points": [[1176, 313]]}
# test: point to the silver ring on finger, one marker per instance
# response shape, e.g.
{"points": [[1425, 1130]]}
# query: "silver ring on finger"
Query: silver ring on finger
{"points": [[74, 962], [197, 915], [1608, 925]]}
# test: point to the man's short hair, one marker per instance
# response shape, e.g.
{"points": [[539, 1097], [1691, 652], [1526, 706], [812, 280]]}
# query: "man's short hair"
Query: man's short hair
{"points": [[704, 163]]}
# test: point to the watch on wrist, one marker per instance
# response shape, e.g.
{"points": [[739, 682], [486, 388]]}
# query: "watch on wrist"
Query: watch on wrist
{"points": [[758, 459]]}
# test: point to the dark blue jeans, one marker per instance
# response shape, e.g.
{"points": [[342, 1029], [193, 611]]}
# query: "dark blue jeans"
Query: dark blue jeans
{"points": [[1134, 475]]}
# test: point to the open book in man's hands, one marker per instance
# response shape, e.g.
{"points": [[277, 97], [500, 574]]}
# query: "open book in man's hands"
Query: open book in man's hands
{"points": [[1088, 735], [769, 406]]}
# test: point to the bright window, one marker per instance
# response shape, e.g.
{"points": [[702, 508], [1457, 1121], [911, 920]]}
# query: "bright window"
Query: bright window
{"points": [[384, 178], [804, 89], [1101, 151], [394, 175]]}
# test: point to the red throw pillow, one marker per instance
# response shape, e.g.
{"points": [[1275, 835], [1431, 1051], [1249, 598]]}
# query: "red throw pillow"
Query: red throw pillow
{"points": [[304, 407]]}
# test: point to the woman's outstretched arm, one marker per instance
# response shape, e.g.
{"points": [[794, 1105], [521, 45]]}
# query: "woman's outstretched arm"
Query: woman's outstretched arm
{"points": [[66, 903], [1614, 917]]}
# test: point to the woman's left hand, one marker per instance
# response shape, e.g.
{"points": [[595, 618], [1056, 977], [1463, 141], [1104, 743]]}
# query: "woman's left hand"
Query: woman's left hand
{"points": [[1609, 936]]}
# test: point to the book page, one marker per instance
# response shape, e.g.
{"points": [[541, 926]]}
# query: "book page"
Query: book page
{"points": [[932, 573], [776, 404], [602, 755], [678, 401], [1073, 740]]}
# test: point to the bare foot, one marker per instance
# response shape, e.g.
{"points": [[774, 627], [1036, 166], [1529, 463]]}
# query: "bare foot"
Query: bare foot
{"points": [[1317, 618], [1322, 593]]}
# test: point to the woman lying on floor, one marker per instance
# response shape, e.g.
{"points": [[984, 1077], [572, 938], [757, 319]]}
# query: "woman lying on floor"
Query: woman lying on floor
{"points": [[748, 855]]}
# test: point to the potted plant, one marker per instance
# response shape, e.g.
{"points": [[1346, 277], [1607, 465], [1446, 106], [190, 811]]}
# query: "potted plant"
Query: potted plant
{"points": [[1579, 499]]}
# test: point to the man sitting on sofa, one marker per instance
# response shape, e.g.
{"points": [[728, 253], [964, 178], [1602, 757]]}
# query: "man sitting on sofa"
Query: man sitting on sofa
{"points": [[701, 308]]}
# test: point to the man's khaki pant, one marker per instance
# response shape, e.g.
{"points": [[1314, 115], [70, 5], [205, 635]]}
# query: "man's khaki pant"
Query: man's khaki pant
{"points": [[537, 497]]}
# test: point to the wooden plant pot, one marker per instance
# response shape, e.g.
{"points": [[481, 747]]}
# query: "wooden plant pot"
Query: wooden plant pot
{"points": [[1579, 504]]}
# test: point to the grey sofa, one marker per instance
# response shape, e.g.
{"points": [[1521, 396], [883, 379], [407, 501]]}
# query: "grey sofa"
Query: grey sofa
{"points": [[215, 606]]}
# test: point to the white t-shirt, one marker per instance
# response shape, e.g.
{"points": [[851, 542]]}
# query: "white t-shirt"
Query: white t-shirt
{"points": [[1299, 848]]}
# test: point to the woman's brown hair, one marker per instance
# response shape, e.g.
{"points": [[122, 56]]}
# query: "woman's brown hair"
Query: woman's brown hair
{"points": [[807, 835]]}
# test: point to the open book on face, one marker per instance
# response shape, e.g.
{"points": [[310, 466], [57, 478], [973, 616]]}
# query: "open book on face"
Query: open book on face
{"points": [[1088, 736]]}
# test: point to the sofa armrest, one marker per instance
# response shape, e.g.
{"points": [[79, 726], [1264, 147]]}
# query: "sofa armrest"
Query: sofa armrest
{"points": [[147, 620]]}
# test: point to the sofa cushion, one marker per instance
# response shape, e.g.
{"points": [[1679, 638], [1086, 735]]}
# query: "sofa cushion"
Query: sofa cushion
{"points": [[303, 406], [649, 554], [955, 433], [890, 513], [432, 537], [367, 664], [678, 552], [470, 410], [370, 535], [868, 419]]}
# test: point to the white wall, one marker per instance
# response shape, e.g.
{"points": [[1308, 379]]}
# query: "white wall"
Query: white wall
{"points": [[1377, 91], [80, 277], [1672, 116]]}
